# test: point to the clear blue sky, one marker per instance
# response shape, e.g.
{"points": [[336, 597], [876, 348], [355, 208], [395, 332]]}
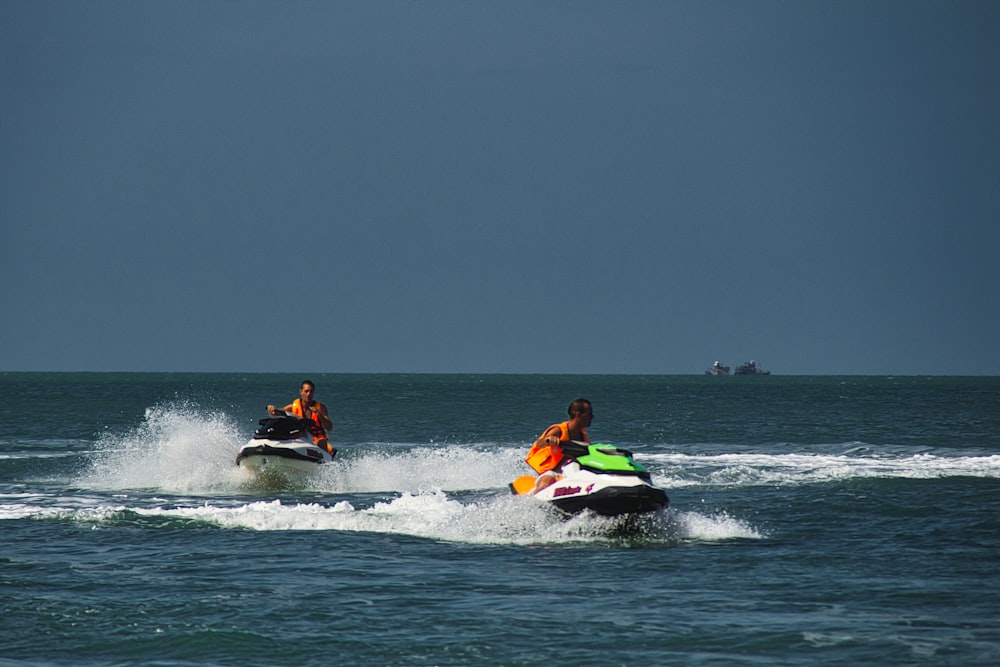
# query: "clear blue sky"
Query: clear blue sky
{"points": [[609, 187]]}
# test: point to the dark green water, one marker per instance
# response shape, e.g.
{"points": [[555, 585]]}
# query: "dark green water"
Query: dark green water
{"points": [[814, 520]]}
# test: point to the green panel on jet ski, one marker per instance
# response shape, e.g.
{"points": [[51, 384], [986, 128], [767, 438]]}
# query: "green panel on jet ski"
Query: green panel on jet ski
{"points": [[606, 458]]}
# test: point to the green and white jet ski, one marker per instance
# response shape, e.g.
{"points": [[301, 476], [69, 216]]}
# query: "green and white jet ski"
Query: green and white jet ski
{"points": [[600, 478]]}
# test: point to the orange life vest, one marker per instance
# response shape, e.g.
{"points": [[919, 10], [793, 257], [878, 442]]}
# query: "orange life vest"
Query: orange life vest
{"points": [[547, 457], [316, 426]]}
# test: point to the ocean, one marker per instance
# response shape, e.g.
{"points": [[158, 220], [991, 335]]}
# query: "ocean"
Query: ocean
{"points": [[813, 521]]}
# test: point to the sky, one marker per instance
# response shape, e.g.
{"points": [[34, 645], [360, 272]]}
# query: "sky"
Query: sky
{"points": [[500, 187]]}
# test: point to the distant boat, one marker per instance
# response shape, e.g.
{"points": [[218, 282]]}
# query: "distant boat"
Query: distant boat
{"points": [[750, 368], [717, 369]]}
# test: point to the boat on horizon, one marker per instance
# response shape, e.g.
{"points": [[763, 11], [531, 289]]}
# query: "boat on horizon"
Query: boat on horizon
{"points": [[750, 368], [717, 369]]}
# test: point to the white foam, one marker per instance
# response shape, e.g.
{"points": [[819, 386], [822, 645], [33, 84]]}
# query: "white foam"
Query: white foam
{"points": [[493, 520], [177, 448], [373, 468], [694, 526], [683, 470], [432, 515]]}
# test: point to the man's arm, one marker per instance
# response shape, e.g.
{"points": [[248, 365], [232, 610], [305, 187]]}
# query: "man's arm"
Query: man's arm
{"points": [[324, 417]]}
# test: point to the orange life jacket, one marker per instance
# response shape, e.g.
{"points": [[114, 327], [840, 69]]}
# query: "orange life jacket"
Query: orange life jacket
{"points": [[546, 457], [315, 426]]}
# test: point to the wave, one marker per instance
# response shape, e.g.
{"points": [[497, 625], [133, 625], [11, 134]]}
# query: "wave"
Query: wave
{"points": [[179, 448], [684, 470], [495, 520], [177, 468]]}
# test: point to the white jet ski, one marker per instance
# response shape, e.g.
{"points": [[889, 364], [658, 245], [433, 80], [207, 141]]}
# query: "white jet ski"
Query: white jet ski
{"points": [[283, 446], [600, 478]]}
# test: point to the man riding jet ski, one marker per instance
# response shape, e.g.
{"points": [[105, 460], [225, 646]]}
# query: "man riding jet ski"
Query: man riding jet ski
{"points": [[314, 412], [597, 477], [575, 475]]}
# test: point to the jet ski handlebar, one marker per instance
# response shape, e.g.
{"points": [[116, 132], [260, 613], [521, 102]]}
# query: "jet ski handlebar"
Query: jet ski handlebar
{"points": [[574, 448], [283, 415]]}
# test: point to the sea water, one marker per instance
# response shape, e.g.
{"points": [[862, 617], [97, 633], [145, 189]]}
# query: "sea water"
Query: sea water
{"points": [[813, 521]]}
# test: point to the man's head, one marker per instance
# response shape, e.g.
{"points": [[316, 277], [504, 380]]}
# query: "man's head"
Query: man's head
{"points": [[580, 406], [306, 390]]}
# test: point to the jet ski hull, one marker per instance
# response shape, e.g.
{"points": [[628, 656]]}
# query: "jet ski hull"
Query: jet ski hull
{"points": [[286, 457], [615, 501], [606, 495]]}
